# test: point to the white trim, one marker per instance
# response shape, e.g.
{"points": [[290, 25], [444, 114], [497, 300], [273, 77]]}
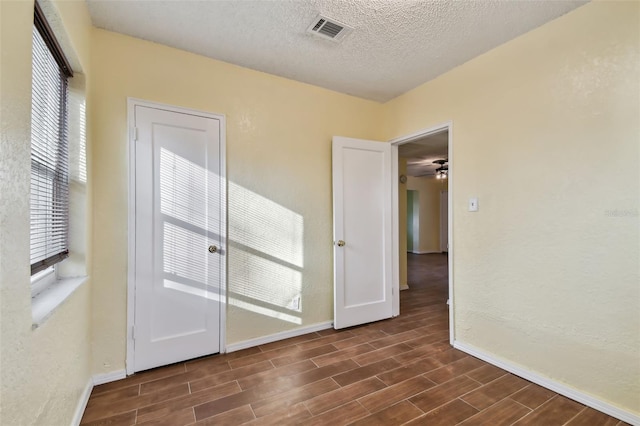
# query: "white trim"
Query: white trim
{"points": [[412, 137], [279, 336], [101, 379], [395, 210], [551, 384], [404, 287], [131, 219], [43, 279], [98, 379], [423, 252], [395, 232], [44, 304], [131, 232], [82, 403], [223, 232], [450, 176]]}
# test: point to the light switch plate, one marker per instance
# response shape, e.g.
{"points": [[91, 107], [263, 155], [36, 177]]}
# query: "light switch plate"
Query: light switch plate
{"points": [[473, 204]]}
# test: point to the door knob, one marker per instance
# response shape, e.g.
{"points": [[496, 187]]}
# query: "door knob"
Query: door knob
{"points": [[341, 243], [213, 249]]}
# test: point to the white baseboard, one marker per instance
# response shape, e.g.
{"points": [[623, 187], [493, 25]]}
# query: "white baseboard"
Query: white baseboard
{"points": [[404, 287], [82, 403], [551, 384], [422, 252], [100, 379], [278, 336]]}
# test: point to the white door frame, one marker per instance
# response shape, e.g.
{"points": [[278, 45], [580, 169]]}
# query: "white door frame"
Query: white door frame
{"points": [[395, 214], [131, 233]]}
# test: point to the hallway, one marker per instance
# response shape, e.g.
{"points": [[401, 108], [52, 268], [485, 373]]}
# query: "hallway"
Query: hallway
{"points": [[427, 274]]}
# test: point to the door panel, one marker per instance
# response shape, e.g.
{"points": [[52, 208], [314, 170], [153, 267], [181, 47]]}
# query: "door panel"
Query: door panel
{"points": [[362, 220], [178, 211]]}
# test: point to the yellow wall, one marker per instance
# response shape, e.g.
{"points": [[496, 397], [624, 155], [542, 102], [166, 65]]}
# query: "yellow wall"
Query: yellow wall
{"points": [[428, 235], [43, 372], [546, 132], [279, 168]]}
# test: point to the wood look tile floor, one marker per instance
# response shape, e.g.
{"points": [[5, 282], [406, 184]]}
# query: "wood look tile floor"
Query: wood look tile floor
{"points": [[392, 372]]}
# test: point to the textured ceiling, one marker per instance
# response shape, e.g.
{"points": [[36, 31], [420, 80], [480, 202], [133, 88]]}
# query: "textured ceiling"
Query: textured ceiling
{"points": [[396, 44], [421, 154]]}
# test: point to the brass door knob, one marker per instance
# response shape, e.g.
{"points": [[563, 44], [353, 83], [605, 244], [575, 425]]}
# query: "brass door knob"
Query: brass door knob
{"points": [[341, 243], [213, 249]]}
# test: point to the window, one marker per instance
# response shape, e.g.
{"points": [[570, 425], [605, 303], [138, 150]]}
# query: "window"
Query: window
{"points": [[49, 199]]}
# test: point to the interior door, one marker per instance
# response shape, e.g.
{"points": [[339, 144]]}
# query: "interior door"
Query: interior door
{"points": [[362, 231], [178, 213]]}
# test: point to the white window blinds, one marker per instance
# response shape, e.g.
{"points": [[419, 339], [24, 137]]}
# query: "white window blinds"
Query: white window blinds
{"points": [[49, 199]]}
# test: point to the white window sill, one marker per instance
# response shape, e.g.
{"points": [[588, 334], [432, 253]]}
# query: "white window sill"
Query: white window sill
{"points": [[47, 301]]}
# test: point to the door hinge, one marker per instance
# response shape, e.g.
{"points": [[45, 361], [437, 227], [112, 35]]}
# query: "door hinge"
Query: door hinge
{"points": [[133, 332], [134, 133]]}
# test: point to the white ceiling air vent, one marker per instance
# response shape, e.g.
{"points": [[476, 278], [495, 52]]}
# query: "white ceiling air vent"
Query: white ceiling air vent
{"points": [[329, 28]]}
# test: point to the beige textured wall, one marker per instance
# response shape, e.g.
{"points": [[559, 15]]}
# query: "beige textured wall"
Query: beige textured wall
{"points": [[279, 170], [546, 275], [546, 132], [428, 238], [43, 372]]}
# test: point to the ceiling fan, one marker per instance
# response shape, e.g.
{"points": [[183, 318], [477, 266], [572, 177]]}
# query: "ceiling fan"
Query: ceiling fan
{"points": [[443, 170]]}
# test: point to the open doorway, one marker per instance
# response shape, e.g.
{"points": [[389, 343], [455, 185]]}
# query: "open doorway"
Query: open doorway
{"points": [[423, 215]]}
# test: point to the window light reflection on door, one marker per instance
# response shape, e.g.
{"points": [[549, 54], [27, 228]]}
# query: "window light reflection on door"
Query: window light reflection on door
{"points": [[266, 271]]}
